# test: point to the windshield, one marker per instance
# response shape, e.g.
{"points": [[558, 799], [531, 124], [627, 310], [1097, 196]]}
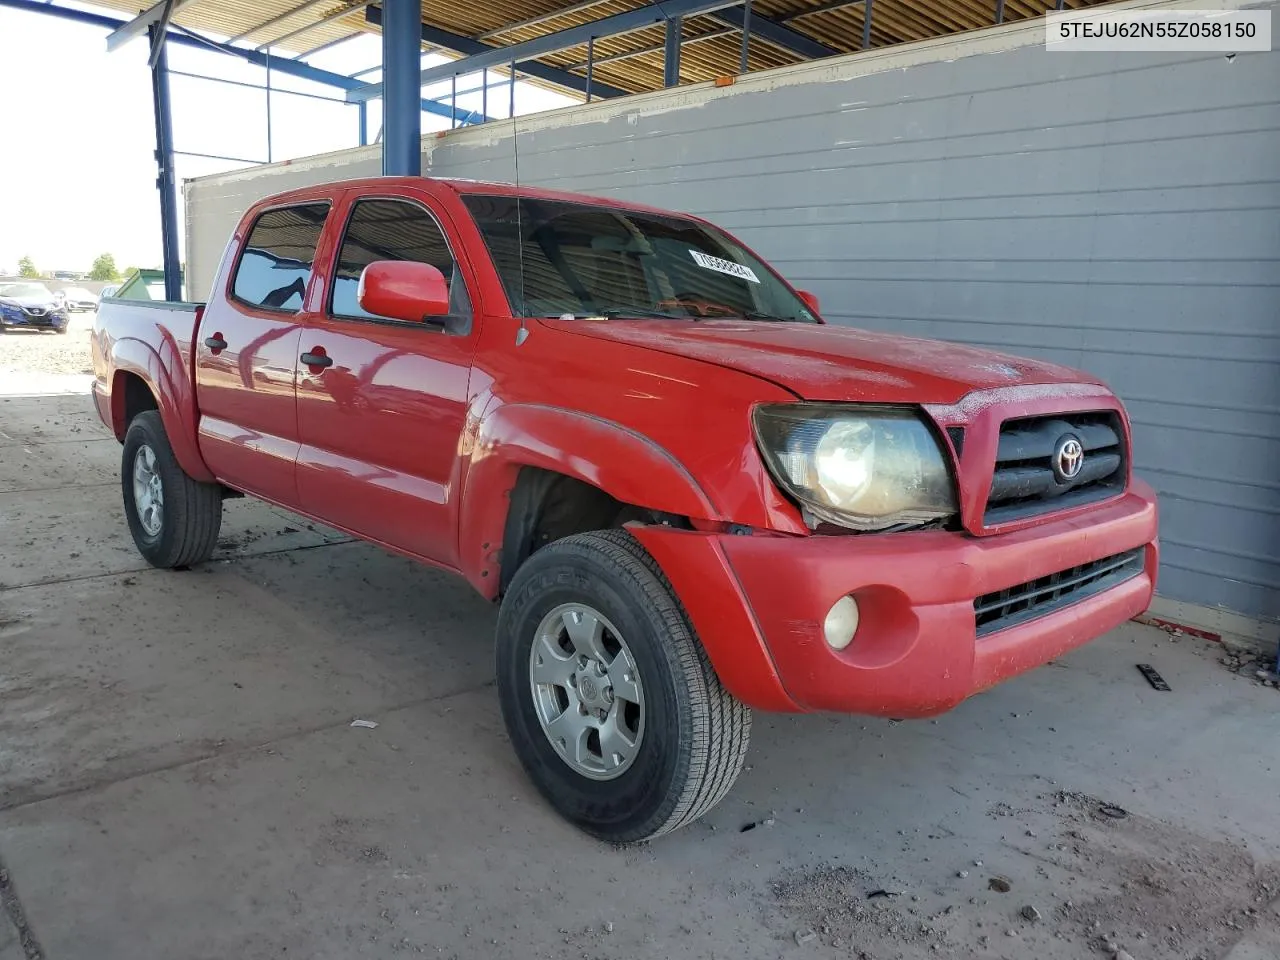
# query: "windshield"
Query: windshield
{"points": [[594, 260], [26, 290], [79, 293]]}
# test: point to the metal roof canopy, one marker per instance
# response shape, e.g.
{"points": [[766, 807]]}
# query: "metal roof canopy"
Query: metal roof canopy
{"points": [[772, 33]]}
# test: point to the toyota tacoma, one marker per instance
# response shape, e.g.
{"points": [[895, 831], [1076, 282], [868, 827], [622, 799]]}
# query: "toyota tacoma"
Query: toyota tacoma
{"points": [[691, 496]]}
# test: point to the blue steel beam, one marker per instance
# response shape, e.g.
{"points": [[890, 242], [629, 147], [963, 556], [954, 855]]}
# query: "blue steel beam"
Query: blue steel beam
{"points": [[401, 118], [166, 181], [671, 54], [470, 47], [619, 23], [142, 23], [185, 38], [776, 33]]}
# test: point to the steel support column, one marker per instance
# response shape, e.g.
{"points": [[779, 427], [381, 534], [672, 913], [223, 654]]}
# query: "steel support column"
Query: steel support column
{"points": [[671, 56], [268, 90], [402, 91], [166, 181]]}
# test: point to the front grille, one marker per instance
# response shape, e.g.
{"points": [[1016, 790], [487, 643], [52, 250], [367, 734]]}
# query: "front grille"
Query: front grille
{"points": [[1025, 482], [34, 311], [1036, 598]]}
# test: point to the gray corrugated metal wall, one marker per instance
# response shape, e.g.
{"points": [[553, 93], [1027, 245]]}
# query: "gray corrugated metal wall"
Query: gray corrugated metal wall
{"points": [[1115, 212]]}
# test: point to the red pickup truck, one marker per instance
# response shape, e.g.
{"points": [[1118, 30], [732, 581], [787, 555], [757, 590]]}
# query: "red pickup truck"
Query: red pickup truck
{"points": [[691, 496]]}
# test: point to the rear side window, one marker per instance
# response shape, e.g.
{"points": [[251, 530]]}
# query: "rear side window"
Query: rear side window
{"points": [[276, 263], [391, 230]]}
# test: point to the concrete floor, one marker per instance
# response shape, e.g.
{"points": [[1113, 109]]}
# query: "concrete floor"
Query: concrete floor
{"points": [[179, 777]]}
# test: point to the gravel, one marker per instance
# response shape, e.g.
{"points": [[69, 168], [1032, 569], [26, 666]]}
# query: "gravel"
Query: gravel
{"points": [[37, 352], [35, 363]]}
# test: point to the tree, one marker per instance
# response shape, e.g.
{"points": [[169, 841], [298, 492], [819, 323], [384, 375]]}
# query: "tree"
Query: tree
{"points": [[27, 268], [104, 268]]}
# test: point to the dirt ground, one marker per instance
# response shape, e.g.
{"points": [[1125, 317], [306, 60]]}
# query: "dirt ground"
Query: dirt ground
{"points": [[179, 777], [35, 361]]}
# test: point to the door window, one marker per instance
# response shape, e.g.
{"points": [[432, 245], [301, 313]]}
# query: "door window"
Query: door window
{"points": [[275, 267], [392, 230]]}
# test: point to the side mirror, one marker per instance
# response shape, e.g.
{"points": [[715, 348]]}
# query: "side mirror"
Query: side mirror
{"points": [[403, 290], [810, 301]]}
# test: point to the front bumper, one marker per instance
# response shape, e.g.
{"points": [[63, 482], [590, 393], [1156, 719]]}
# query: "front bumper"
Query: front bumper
{"points": [[758, 604], [46, 321]]}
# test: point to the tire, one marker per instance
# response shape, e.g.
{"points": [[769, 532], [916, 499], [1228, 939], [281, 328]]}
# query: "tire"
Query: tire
{"points": [[692, 733], [181, 528]]}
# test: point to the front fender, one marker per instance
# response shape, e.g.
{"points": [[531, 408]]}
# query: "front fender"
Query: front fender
{"points": [[627, 465], [164, 371]]}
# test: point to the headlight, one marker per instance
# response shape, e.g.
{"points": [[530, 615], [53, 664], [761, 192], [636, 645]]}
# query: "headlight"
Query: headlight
{"points": [[862, 468]]}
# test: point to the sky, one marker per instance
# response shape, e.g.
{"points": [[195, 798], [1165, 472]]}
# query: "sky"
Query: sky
{"points": [[77, 132]]}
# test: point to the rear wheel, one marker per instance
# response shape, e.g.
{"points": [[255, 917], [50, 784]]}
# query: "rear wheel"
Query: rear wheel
{"points": [[610, 701], [174, 519]]}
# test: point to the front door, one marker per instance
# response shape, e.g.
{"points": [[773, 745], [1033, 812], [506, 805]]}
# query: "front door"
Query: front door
{"points": [[381, 406], [247, 355]]}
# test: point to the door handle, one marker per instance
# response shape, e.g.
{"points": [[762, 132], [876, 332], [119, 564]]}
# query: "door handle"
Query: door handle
{"points": [[215, 342], [317, 359]]}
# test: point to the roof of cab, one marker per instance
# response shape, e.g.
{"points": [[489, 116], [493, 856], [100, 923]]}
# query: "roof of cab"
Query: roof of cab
{"points": [[461, 187]]}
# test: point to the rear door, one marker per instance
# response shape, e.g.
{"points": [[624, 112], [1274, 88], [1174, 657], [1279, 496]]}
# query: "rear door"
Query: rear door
{"points": [[380, 417], [247, 353]]}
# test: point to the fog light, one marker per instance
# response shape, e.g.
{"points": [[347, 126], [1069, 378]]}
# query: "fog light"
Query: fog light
{"points": [[841, 623]]}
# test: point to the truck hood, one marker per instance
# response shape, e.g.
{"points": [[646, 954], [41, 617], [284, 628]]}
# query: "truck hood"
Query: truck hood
{"points": [[825, 362]]}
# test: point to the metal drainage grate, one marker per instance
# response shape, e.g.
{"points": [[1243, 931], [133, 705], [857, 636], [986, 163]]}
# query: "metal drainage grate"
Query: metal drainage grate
{"points": [[1036, 598]]}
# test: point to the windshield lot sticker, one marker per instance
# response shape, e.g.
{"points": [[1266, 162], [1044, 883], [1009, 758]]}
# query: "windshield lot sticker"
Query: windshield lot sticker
{"points": [[724, 266]]}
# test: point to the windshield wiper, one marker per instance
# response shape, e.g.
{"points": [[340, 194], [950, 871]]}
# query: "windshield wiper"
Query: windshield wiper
{"points": [[620, 314], [645, 314], [765, 317]]}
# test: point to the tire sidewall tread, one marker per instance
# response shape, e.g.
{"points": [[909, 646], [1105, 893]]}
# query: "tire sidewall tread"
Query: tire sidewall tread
{"points": [[700, 731], [192, 514]]}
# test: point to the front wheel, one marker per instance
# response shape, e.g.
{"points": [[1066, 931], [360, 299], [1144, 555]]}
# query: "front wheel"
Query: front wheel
{"points": [[174, 519], [610, 701]]}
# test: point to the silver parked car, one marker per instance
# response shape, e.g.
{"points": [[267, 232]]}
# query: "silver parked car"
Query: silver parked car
{"points": [[78, 298]]}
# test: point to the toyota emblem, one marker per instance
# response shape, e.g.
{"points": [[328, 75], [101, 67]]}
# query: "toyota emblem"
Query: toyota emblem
{"points": [[1068, 457]]}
